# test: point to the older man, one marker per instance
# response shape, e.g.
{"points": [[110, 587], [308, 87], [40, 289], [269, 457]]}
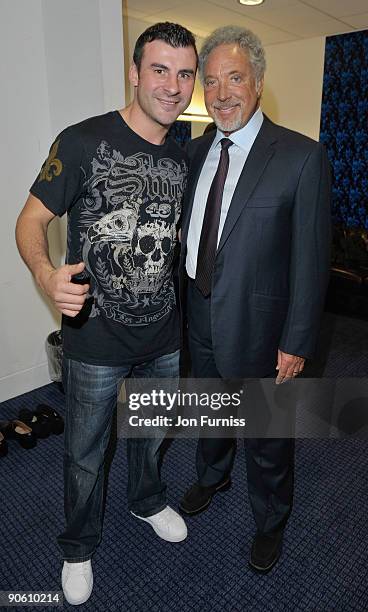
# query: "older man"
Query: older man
{"points": [[255, 246]]}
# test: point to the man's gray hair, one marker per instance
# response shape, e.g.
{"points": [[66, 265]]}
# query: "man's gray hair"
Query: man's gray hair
{"points": [[240, 36]]}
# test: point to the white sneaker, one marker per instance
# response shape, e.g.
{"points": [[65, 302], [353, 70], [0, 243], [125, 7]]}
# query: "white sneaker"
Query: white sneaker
{"points": [[168, 525], [77, 581]]}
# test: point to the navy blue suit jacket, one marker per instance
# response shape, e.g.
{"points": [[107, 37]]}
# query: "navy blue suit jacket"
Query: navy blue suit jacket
{"points": [[272, 263]]}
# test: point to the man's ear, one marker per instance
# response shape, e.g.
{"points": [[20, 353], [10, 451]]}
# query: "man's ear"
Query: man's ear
{"points": [[133, 74], [260, 87]]}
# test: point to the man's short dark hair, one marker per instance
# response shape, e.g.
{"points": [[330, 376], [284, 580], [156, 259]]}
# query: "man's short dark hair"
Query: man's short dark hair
{"points": [[172, 34]]}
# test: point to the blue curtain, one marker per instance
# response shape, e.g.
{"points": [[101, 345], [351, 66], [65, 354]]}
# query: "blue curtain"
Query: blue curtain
{"points": [[181, 132], [344, 125]]}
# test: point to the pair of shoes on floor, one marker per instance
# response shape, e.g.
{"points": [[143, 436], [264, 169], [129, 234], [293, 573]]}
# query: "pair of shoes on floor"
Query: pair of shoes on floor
{"points": [[77, 578], [266, 551], [19, 431], [40, 427], [198, 497], [29, 426], [167, 524], [43, 421], [266, 548], [77, 581]]}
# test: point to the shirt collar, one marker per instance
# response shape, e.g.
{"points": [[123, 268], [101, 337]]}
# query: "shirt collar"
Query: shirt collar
{"points": [[246, 135]]}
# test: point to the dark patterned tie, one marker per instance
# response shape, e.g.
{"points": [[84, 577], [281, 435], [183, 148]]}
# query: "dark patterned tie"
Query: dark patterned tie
{"points": [[208, 241]]}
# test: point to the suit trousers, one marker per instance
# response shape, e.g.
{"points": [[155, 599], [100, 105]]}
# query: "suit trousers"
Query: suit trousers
{"points": [[269, 461]]}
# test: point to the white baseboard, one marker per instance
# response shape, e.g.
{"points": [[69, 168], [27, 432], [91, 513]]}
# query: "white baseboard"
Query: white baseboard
{"points": [[24, 381]]}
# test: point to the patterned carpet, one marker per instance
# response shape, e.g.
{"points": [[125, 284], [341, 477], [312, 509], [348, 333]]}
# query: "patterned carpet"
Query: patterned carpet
{"points": [[324, 564]]}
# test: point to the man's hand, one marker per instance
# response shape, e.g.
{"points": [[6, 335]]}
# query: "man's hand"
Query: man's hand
{"points": [[288, 366], [57, 283]]}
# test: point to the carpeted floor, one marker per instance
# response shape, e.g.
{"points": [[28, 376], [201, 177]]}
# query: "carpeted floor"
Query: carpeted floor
{"points": [[324, 564]]}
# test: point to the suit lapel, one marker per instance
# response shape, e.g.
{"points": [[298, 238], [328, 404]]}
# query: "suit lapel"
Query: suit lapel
{"points": [[196, 165], [258, 158]]}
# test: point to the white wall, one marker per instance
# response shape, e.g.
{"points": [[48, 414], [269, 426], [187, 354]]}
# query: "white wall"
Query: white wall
{"points": [[293, 84], [61, 62]]}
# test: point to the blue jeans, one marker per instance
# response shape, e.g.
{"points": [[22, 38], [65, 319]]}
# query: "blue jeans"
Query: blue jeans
{"points": [[91, 396]]}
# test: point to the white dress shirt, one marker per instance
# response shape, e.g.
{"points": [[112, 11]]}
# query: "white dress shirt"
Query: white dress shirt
{"points": [[243, 140]]}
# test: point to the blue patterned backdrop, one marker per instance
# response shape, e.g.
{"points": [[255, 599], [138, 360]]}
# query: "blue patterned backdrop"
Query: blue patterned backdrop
{"points": [[181, 132], [344, 125]]}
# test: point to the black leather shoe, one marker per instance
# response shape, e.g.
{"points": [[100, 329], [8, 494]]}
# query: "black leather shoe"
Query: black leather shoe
{"points": [[266, 551], [17, 430], [198, 498], [55, 420], [40, 425]]}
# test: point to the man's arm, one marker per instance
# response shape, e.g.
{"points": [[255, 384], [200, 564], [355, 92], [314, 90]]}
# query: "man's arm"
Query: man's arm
{"points": [[310, 264], [32, 242]]}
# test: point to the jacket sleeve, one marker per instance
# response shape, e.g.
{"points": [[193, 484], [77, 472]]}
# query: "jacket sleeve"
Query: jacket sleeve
{"points": [[310, 256]]}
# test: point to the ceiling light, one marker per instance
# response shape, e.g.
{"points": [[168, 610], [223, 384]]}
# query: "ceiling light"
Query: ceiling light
{"points": [[251, 2]]}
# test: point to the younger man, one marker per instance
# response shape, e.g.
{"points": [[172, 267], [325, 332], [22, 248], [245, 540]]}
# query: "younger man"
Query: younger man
{"points": [[120, 180]]}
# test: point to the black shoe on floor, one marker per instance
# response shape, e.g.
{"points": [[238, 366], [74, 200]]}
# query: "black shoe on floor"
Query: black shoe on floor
{"points": [[39, 425], [266, 550], [198, 498], [55, 420], [17, 430]]}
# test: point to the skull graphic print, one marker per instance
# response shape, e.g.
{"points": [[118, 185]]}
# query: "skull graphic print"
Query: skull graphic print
{"points": [[129, 247]]}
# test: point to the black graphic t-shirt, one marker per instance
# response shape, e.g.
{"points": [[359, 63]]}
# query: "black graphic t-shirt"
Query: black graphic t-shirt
{"points": [[123, 199]]}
